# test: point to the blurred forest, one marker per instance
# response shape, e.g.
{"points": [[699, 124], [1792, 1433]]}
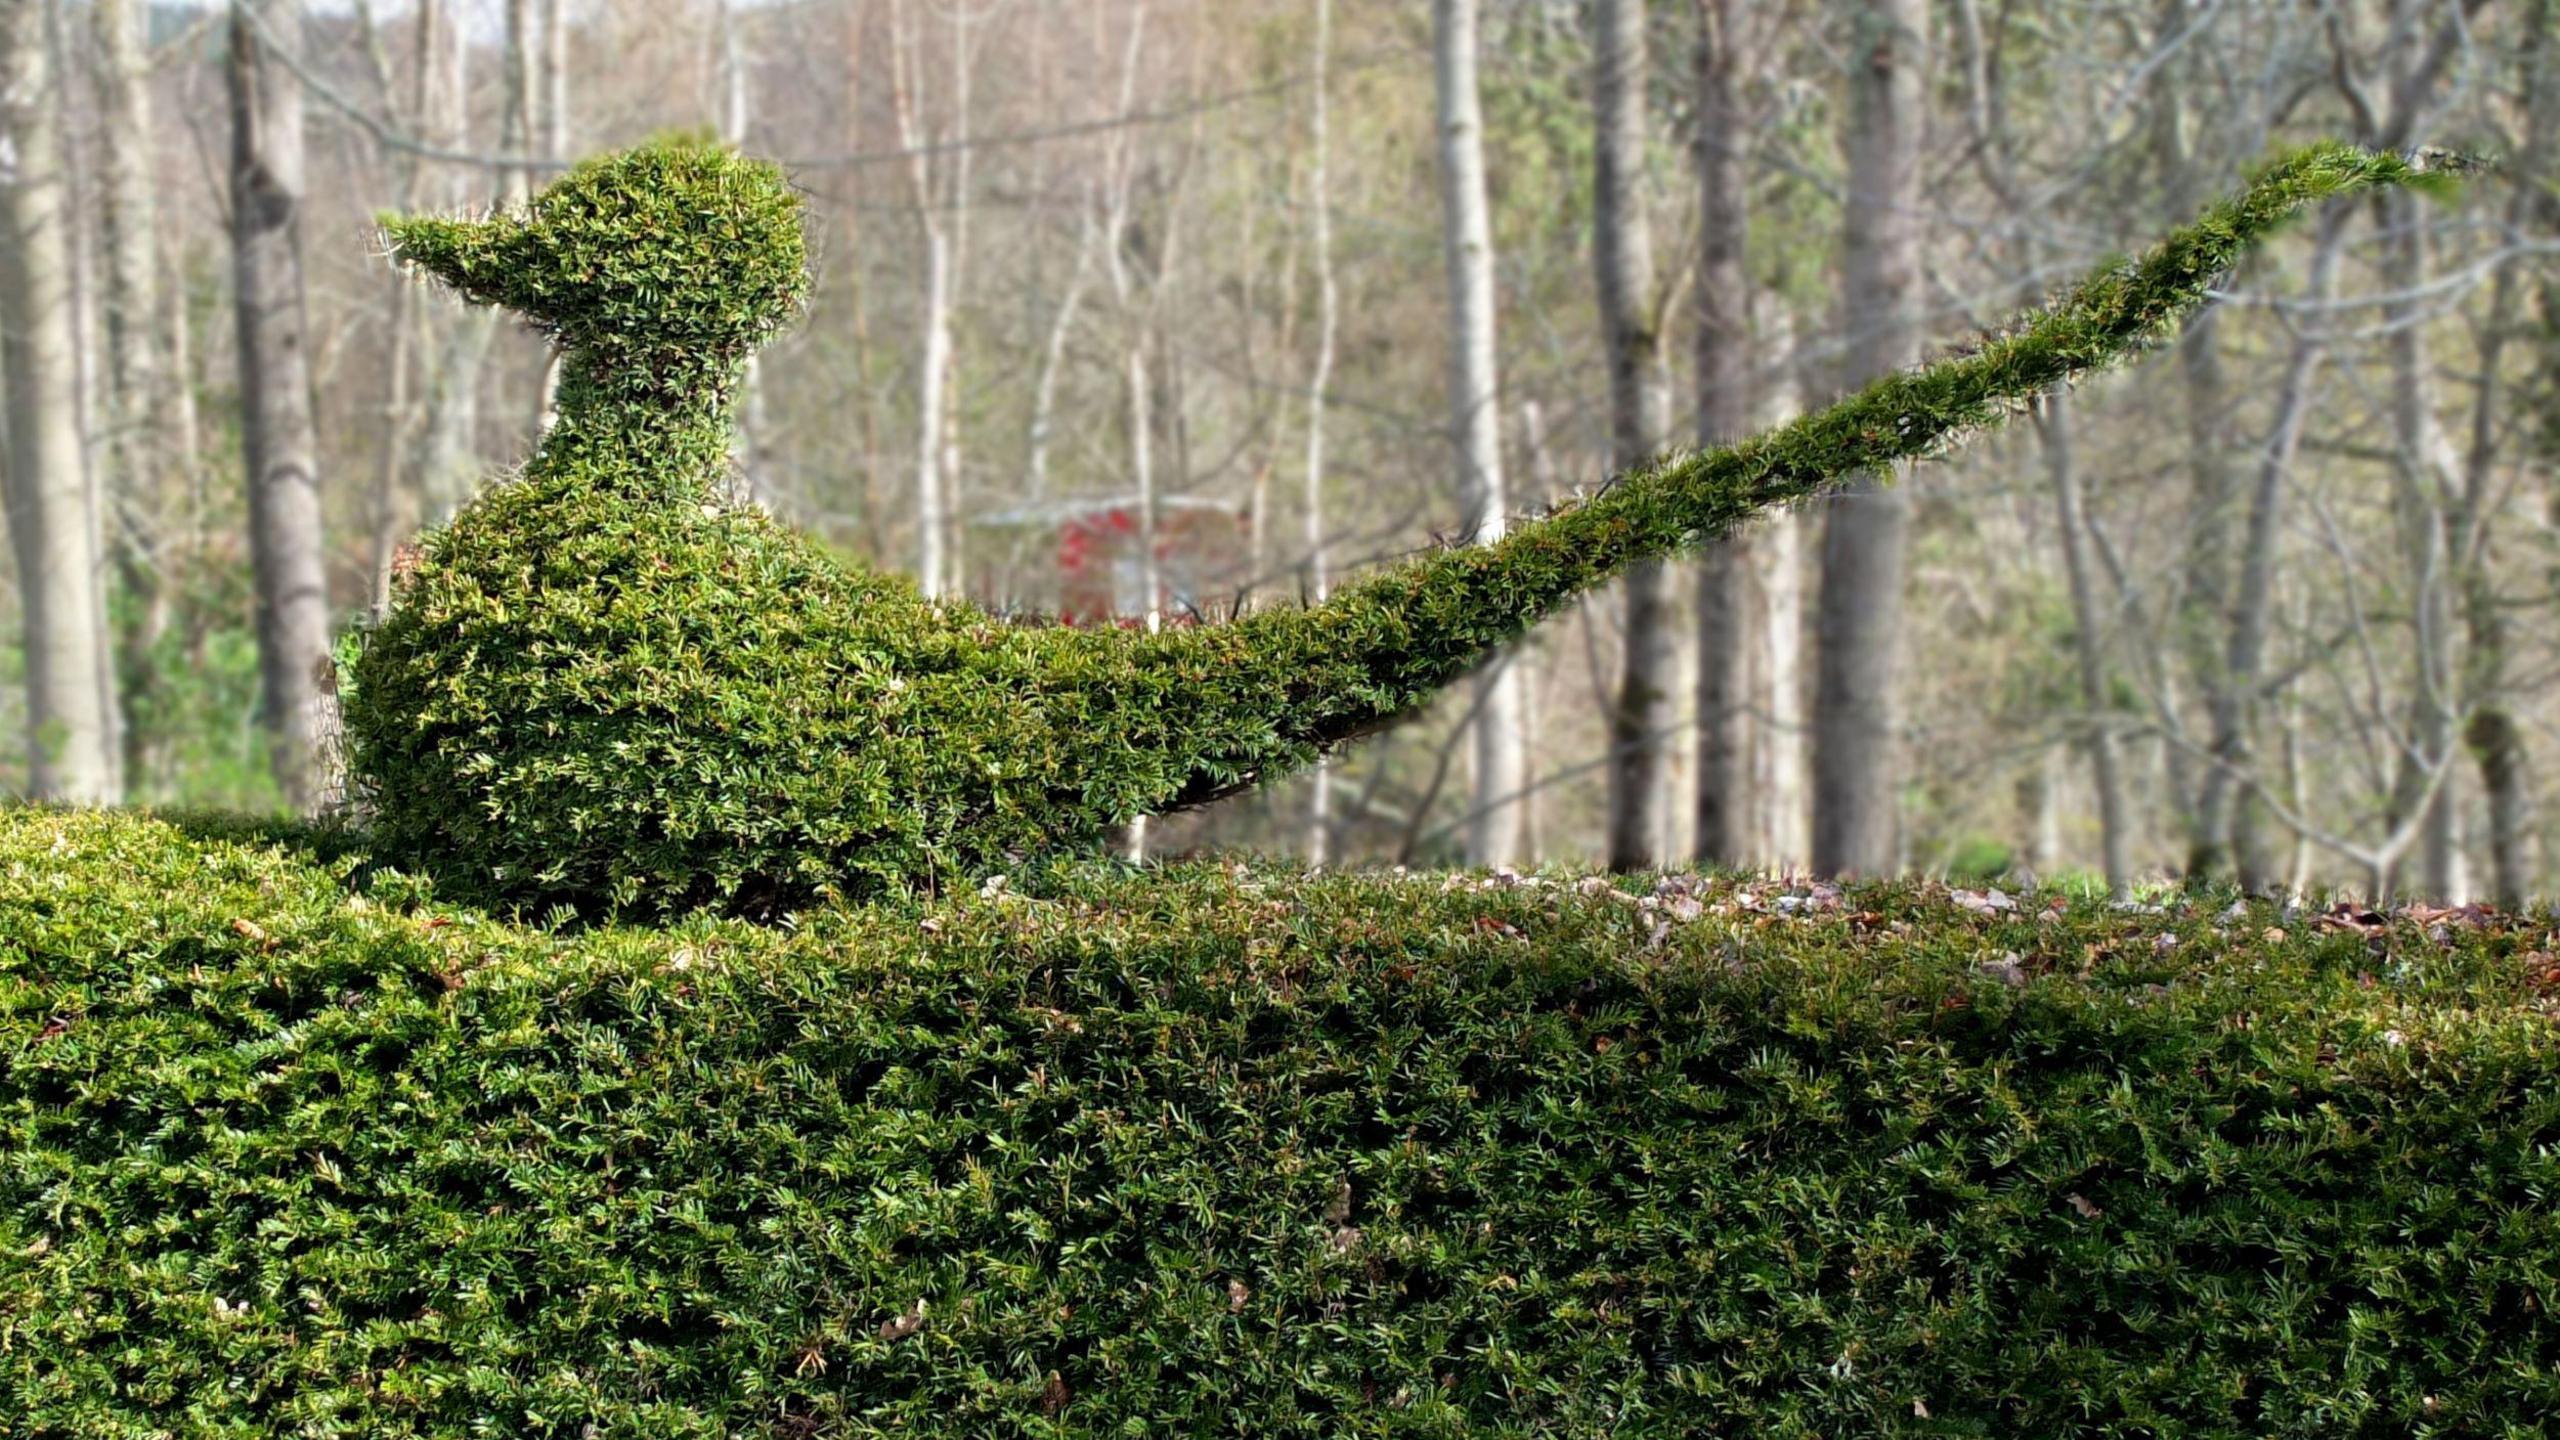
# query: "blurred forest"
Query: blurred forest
{"points": [[1137, 311]]}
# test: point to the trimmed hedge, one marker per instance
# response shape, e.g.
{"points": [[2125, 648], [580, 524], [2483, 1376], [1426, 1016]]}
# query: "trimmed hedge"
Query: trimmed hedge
{"points": [[285, 1148], [603, 688]]}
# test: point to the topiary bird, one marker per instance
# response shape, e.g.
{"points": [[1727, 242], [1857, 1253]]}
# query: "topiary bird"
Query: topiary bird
{"points": [[601, 686]]}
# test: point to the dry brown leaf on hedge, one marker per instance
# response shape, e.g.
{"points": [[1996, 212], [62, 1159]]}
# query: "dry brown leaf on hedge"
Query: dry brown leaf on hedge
{"points": [[899, 1327]]}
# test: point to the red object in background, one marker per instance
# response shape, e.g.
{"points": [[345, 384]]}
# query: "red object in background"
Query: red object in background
{"points": [[1099, 578]]}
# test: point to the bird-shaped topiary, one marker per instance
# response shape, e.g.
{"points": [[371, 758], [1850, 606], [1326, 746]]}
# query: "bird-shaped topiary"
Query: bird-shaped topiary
{"points": [[601, 686]]}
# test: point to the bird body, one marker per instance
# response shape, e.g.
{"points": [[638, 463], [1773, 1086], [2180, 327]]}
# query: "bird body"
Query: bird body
{"points": [[602, 686]]}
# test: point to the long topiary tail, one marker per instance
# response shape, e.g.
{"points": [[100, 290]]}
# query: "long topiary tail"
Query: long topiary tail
{"points": [[1290, 682]]}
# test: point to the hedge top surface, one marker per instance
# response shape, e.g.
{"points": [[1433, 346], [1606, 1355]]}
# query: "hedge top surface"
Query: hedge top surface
{"points": [[603, 688], [1215, 1151]]}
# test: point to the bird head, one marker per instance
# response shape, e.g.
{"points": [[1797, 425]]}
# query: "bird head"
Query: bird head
{"points": [[662, 256]]}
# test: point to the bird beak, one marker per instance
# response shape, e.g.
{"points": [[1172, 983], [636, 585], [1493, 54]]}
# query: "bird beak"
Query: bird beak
{"points": [[475, 257]]}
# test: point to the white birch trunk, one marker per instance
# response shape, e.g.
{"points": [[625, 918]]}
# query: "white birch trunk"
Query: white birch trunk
{"points": [[905, 103], [1782, 834], [1319, 377], [1501, 754]]}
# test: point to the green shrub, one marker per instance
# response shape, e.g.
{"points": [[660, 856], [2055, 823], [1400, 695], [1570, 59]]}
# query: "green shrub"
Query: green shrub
{"points": [[1219, 1153], [603, 688]]}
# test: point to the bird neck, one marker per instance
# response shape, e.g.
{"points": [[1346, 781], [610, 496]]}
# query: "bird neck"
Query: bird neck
{"points": [[659, 429]]}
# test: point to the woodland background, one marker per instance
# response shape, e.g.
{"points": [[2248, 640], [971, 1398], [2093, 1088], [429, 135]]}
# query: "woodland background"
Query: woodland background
{"points": [[1292, 287]]}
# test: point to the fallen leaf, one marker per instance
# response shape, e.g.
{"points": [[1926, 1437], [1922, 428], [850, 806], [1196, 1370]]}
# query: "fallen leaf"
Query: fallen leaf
{"points": [[899, 1327]]}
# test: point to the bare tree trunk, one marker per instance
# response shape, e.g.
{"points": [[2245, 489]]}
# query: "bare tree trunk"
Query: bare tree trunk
{"points": [[1053, 355], [1501, 751], [552, 79], [1142, 474], [275, 384], [2204, 582], [932, 525], [1724, 358], [2494, 734], [747, 448], [448, 461], [1631, 337], [1319, 376], [2089, 638], [2427, 477], [1781, 832], [399, 410], [52, 506], [955, 512], [135, 489], [1866, 532], [2244, 652]]}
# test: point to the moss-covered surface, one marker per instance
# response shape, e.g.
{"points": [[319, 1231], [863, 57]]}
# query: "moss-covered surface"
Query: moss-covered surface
{"points": [[603, 688], [288, 1149]]}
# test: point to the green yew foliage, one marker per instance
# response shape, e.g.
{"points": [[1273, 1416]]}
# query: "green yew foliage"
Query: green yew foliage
{"points": [[286, 1152], [603, 687]]}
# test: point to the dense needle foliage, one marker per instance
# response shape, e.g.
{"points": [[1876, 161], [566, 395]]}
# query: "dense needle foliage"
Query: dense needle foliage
{"points": [[1213, 1153], [603, 687]]}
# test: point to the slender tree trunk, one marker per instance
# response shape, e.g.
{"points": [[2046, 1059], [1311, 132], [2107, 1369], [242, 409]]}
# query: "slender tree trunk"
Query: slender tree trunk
{"points": [[1501, 751], [2233, 704], [748, 451], [2494, 734], [906, 68], [848, 250], [1781, 831], [1724, 360], [448, 463], [1142, 476], [2427, 479], [955, 199], [553, 74], [1319, 376], [932, 525], [2089, 638], [136, 486], [52, 506], [2203, 591], [1053, 356], [1866, 532], [131, 233], [1622, 264], [552, 80], [83, 207], [275, 384]]}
